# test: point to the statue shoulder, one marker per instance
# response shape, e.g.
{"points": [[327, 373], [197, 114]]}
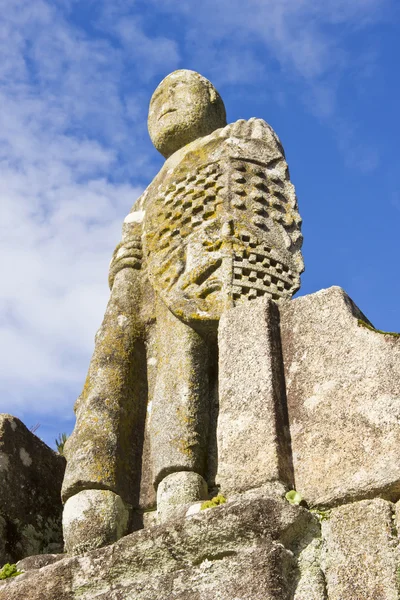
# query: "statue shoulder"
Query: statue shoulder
{"points": [[253, 129]]}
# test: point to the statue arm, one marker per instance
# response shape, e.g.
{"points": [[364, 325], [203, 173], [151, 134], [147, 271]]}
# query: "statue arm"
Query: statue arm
{"points": [[101, 452]]}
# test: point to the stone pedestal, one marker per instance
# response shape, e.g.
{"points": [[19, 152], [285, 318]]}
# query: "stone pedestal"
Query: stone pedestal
{"points": [[238, 551]]}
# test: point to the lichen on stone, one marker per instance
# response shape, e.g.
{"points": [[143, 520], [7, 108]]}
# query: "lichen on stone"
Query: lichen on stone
{"points": [[362, 323], [216, 501]]}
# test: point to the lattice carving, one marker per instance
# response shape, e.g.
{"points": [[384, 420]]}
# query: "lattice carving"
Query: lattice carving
{"points": [[256, 273], [187, 203], [268, 196]]}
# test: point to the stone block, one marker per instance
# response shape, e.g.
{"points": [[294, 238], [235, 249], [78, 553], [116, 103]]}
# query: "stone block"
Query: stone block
{"points": [[360, 552], [30, 493], [343, 394], [252, 431], [238, 551]]}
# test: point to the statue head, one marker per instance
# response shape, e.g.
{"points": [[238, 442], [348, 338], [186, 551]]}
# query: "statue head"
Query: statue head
{"points": [[185, 106]]}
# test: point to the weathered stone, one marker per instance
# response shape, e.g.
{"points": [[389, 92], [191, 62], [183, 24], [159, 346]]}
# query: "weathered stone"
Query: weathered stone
{"points": [[241, 550], [184, 107], [343, 393], [180, 408], [93, 518], [147, 492], [360, 555], [177, 491], [38, 561], [219, 226], [253, 432], [104, 450], [30, 493], [311, 584]]}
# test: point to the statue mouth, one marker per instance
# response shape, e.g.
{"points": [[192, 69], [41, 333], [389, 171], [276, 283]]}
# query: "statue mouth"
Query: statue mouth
{"points": [[166, 112]]}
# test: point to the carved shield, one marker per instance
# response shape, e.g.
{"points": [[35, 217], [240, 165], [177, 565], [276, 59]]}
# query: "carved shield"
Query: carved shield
{"points": [[224, 227]]}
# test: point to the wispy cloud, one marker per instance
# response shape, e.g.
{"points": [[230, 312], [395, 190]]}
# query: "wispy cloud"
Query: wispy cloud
{"points": [[65, 185], [310, 43]]}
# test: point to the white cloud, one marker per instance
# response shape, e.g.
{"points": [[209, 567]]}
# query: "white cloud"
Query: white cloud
{"points": [[63, 136]]}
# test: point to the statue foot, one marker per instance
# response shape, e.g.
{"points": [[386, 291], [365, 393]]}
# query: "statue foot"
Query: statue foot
{"points": [[93, 518], [177, 491]]}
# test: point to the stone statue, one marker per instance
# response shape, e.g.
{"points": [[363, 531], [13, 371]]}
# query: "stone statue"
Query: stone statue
{"points": [[218, 226]]}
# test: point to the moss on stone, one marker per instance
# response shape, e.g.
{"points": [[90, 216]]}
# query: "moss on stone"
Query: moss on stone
{"points": [[294, 497], [362, 323], [9, 571], [216, 501]]}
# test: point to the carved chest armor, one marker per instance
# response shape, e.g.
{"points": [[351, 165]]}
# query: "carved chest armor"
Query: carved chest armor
{"points": [[223, 226]]}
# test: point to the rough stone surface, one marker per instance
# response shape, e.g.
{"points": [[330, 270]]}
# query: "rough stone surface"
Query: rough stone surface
{"points": [[343, 393], [180, 407], [30, 493], [104, 450], [177, 491], [93, 518], [192, 390], [238, 551], [38, 561], [360, 555], [218, 226], [311, 584], [184, 107], [253, 432]]}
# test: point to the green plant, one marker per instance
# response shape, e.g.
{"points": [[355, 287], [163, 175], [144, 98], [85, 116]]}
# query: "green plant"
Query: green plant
{"points": [[9, 571], [294, 497], [216, 501], [60, 441], [323, 515], [362, 323]]}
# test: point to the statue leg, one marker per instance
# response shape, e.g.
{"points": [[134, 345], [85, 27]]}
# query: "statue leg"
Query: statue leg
{"points": [[179, 414], [103, 453]]}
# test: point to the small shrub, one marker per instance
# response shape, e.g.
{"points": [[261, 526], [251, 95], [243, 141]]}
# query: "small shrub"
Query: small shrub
{"points": [[216, 501], [60, 441], [9, 571]]}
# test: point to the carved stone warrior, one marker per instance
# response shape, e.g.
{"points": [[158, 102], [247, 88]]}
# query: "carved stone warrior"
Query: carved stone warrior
{"points": [[218, 226]]}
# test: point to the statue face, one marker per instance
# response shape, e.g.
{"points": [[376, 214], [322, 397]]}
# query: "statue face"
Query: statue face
{"points": [[184, 107]]}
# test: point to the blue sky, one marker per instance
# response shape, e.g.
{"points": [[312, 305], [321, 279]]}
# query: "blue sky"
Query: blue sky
{"points": [[75, 81]]}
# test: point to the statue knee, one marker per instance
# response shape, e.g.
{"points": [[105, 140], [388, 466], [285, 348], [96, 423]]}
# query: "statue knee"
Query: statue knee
{"points": [[94, 518], [177, 491]]}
